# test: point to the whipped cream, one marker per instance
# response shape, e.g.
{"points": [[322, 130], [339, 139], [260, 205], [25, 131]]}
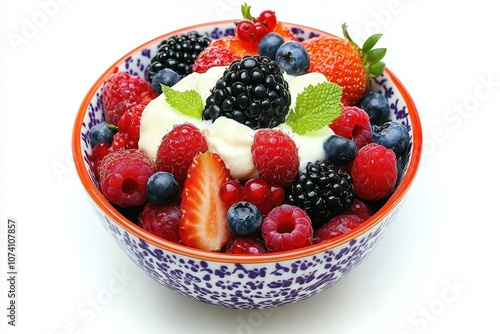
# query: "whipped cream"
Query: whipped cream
{"points": [[226, 137]]}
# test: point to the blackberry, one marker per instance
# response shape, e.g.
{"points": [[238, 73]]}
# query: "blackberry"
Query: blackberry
{"points": [[252, 91], [178, 53], [322, 190]]}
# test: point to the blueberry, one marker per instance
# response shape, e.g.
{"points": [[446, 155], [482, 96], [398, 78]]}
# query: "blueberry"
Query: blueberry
{"points": [[339, 150], [293, 58], [376, 106], [162, 188], [101, 132], [269, 44], [392, 135], [243, 219], [167, 77]]}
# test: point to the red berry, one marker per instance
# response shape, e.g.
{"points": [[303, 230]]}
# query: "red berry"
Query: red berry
{"points": [[268, 18], [129, 128], [99, 151], [245, 246], [162, 221], [337, 226], [260, 31], [374, 172], [353, 123], [256, 190], [245, 30], [178, 148], [277, 195], [231, 192], [213, 55], [124, 175], [360, 209], [122, 91], [275, 156], [286, 227]]}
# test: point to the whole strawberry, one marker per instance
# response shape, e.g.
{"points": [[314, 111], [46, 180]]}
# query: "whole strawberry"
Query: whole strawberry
{"points": [[343, 62]]}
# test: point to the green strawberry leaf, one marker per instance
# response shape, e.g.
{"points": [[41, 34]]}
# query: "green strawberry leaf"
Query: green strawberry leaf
{"points": [[370, 42], [315, 108], [375, 55], [188, 102]]}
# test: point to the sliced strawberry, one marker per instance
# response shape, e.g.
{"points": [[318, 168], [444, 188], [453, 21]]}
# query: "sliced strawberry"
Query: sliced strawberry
{"points": [[203, 213], [238, 48], [286, 33]]}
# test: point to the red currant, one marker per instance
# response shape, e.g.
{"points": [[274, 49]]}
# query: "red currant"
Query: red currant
{"points": [[231, 192], [256, 190], [260, 31], [277, 195], [268, 18], [245, 30]]}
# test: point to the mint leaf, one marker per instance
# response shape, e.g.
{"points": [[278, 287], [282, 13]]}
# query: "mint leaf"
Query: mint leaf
{"points": [[315, 108], [188, 102]]}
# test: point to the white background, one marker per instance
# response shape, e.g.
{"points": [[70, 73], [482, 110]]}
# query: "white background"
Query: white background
{"points": [[434, 272]]}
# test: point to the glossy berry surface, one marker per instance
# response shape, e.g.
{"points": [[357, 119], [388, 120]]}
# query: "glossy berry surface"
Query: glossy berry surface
{"points": [[162, 221], [122, 91], [165, 76], [336, 227], [244, 219], [376, 106], [286, 227], [124, 175], [256, 190], [269, 44], [213, 55], [275, 156], [231, 192], [374, 172], [339, 150], [101, 132], [360, 209], [392, 135], [250, 245], [293, 58], [268, 18], [162, 188], [353, 123], [178, 148]]}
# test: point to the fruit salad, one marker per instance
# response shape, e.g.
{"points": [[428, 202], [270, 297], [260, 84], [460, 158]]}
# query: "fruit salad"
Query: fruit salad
{"points": [[252, 143]]}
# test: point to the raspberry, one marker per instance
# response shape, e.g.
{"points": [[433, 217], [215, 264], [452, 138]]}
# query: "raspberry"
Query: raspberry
{"points": [[129, 128], [178, 148], [99, 151], [245, 246], [162, 221], [275, 156], [122, 91], [124, 175], [374, 172], [360, 209], [286, 227], [353, 123], [213, 55], [337, 226]]}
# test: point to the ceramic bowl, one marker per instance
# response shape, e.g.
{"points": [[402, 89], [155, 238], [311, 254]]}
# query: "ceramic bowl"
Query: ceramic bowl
{"points": [[239, 281]]}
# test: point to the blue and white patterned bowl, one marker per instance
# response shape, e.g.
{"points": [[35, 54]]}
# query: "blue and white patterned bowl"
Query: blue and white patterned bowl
{"points": [[239, 281]]}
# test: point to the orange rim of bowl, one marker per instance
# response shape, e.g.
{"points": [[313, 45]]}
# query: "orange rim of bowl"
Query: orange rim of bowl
{"points": [[99, 199]]}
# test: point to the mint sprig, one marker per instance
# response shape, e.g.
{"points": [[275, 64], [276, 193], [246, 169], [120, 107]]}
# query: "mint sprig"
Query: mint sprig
{"points": [[188, 102], [315, 108]]}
